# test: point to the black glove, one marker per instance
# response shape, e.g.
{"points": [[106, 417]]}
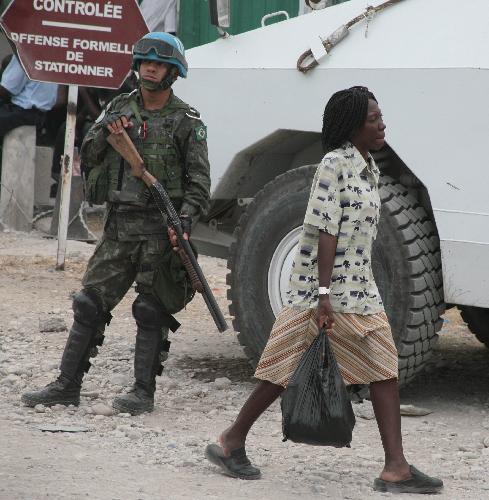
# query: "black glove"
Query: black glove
{"points": [[186, 223]]}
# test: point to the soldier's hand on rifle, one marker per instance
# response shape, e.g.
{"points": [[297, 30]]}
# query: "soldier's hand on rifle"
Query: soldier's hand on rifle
{"points": [[173, 239], [116, 122], [186, 221], [119, 124]]}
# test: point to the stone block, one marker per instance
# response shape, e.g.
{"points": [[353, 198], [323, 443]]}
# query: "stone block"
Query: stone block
{"points": [[18, 172], [42, 179]]}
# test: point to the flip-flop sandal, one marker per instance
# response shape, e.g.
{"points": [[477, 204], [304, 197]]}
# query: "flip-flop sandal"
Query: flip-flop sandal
{"points": [[418, 483], [236, 465]]}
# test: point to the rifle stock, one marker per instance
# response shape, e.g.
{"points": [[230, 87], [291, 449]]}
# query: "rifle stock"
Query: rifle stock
{"points": [[124, 146]]}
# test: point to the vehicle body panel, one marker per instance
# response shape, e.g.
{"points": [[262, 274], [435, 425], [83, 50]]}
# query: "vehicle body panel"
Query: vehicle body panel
{"points": [[426, 61]]}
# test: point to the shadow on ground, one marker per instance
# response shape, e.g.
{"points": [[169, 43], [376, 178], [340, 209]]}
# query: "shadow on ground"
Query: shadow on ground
{"points": [[457, 372], [208, 369]]}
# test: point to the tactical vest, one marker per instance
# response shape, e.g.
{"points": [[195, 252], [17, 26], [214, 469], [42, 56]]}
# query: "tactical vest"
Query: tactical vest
{"points": [[153, 135]]}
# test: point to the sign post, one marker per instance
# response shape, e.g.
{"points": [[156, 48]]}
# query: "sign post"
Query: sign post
{"points": [[74, 42], [66, 174]]}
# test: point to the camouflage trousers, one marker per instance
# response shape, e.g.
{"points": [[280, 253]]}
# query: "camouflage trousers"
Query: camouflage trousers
{"points": [[152, 264]]}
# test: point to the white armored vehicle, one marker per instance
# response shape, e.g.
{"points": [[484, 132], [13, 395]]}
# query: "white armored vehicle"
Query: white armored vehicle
{"points": [[427, 62]]}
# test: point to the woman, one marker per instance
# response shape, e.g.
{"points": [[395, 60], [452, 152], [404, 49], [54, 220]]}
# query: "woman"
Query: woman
{"points": [[332, 284]]}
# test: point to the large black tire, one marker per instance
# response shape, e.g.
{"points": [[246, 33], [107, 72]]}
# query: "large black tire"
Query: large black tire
{"points": [[407, 268], [477, 319], [276, 210], [406, 262]]}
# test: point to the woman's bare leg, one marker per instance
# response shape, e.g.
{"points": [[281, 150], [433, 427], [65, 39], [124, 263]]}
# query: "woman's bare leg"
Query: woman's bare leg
{"points": [[264, 394], [385, 401]]}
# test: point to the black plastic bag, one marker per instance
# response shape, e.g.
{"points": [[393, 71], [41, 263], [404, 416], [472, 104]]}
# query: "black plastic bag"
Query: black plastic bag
{"points": [[316, 408]]}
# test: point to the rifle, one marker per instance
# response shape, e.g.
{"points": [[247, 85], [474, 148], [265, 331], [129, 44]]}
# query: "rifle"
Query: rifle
{"points": [[124, 146]]}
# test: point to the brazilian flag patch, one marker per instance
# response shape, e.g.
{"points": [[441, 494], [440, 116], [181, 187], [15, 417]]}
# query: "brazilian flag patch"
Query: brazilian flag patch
{"points": [[200, 132]]}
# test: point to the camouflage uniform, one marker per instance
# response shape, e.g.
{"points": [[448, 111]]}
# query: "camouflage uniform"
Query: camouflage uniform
{"points": [[135, 245]]}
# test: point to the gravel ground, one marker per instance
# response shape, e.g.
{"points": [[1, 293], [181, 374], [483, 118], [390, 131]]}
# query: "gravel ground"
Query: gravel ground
{"points": [[206, 379]]}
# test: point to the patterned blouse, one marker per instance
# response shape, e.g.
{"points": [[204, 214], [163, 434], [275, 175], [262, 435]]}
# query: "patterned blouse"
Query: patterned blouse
{"points": [[344, 202]]}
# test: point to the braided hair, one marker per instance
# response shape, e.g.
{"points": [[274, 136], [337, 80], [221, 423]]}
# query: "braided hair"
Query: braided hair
{"points": [[344, 114]]}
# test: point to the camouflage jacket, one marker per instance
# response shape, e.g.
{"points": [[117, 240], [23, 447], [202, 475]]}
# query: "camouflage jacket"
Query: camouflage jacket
{"points": [[172, 143]]}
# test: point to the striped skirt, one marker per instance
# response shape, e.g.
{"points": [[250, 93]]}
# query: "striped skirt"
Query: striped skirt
{"points": [[363, 346]]}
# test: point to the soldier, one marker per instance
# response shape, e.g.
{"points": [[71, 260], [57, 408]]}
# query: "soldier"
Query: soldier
{"points": [[171, 139]]}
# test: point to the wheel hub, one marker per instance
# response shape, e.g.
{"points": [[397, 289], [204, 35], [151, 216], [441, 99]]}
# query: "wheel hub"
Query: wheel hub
{"points": [[280, 268]]}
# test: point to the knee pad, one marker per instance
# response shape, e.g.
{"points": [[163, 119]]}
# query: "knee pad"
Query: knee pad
{"points": [[147, 312], [88, 308]]}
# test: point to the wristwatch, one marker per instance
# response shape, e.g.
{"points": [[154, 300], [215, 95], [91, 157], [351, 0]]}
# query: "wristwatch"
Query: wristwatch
{"points": [[322, 290]]}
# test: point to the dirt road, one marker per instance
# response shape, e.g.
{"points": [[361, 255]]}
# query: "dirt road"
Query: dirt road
{"points": [[207, 377]]}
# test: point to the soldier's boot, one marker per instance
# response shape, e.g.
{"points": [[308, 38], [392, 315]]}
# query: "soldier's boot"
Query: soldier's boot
{"points": [[151, 348], [85, 335]]}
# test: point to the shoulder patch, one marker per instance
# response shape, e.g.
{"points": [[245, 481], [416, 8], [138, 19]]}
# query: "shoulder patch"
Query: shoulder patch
{"points": [[200, 132], [193, 113]]}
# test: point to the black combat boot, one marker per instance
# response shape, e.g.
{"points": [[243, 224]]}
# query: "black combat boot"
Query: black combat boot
{"points": [[150, 348], [82, 343], [60, 392], [138, 399]]}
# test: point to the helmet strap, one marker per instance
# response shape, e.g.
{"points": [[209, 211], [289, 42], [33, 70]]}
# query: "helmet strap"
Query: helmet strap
{"points": [[170, 78], [165, 84]]}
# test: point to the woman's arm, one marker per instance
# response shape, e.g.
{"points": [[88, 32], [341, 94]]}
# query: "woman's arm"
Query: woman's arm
{"points": [[326, 255], [324, 213]]}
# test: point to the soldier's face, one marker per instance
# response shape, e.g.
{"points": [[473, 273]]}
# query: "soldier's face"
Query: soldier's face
{"points": [[153, 71]]}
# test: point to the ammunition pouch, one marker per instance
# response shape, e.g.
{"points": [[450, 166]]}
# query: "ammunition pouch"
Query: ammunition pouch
{"points": [[168, 281], [97, 185]]}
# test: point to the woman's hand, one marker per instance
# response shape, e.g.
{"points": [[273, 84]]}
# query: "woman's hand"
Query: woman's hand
{"points": [[324, 314]]}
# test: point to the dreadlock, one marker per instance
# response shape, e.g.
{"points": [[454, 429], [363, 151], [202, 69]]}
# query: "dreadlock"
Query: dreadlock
{"points": [[345, 113]]}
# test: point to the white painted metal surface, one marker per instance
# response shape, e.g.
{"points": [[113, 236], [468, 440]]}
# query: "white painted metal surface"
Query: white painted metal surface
{"points": [[427, 61], [266, 17]]}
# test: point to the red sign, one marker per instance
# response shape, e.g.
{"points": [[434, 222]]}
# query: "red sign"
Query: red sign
{"points": [[76, 42]]}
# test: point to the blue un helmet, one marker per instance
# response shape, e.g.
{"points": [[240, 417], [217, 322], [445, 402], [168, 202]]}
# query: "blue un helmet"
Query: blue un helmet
{"points": [[162, 47]]}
